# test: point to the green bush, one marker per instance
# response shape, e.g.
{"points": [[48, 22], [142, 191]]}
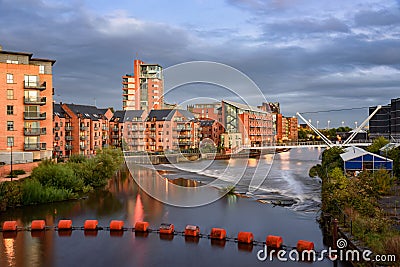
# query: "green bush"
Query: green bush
{"points": [[10, 194], [58, 176], [77, 158], [17, 172], [34, 192]]}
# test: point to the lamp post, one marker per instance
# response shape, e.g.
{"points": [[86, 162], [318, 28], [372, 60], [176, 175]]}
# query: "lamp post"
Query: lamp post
{"points": [[356, 123], [328, 123], [342, 123], [317, 124]]}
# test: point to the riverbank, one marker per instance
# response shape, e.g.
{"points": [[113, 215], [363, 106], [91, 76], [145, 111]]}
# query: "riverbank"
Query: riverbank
{"points": [[355, 203], [50, 181]]}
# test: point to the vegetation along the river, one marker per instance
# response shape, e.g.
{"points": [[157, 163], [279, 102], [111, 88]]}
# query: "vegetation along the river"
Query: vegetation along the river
{"points": [[358, 199], [52, 181]]}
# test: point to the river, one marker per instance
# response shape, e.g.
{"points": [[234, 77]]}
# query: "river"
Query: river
{"points": [[287, 180]]}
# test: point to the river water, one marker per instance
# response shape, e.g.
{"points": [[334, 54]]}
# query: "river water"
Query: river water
{"points": [[287, 181]]}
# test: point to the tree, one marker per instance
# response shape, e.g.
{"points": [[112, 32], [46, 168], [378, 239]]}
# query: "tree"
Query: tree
{"points": [[377, 144]]}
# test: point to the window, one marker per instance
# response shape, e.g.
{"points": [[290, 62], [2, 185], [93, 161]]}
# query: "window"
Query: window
{"points": [[10, 126], [10, 110], [41, 69], [10, 94], [10, 141], [31, 80], [9, 61], [10, 78]]}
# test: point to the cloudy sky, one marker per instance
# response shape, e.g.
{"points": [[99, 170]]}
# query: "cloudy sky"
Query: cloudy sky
{"points": [[309, 55]]}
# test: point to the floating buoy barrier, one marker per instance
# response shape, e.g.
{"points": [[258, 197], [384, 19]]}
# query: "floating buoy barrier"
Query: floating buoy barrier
{"points": [[116, 225], [304, 245], [166, 229], [91, 225], [141, 226], [10, 226], [218, 233], [274, 241], [245, 237], [65, 225], [192, 230], [38, 225]]}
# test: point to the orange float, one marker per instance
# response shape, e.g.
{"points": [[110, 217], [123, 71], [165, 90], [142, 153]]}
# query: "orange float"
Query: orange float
{"points": [[166, 228], [245, 237], [116, 225], [304, 245], [218, 233], [64, 225], [91, 225], [38, 225], [274, 241], [192, 230], [9, 226], [141, 226]]}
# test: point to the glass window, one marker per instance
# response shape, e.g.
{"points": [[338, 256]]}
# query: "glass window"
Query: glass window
{"points": [[10, 94], [31, 80], [10, 141], [41, 69], [10, 110], [10, 126], [10, 78]]}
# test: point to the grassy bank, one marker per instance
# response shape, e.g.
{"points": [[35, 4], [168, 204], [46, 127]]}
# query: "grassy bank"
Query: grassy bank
{"points": [[356, 199], [51, 182]]}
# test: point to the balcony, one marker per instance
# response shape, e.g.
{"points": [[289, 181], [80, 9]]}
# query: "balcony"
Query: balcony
{"points": [[35, 100], [57, 128], [115, 136], [83, 147], [34, 116], [68, 147], [83, 128], [34, 131], [115, 129], [57, 138], [68, 128], [57, 148], [96, 128], [96, 137], [104, 128], [34, 146], [105, 137], [96, 147], [35, 85], [69, 138], [82, 137]]}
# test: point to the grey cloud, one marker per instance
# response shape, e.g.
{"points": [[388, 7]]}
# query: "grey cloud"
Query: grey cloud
{"points": [[377, 18], [306, 26]]}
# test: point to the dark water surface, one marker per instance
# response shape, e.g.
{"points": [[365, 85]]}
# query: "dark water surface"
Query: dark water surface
{"points": [[125, 201]]}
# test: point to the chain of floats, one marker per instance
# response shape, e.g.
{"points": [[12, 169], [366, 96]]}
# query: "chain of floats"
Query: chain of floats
{"points": [[65, 228]]}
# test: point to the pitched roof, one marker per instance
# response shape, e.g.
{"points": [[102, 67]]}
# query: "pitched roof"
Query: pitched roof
{"points": [[88, 112], [127, 115], [355, 152], [205, 123], [58, 111], [244, 106], [167, 114]]}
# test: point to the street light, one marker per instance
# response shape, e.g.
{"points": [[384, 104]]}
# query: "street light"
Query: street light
{"points": [[328, 124], [356, 123], [342, 123], [317, 124]]}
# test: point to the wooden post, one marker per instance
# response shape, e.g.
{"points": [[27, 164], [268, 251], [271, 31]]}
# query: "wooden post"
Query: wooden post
{"points": [[334, 233]]}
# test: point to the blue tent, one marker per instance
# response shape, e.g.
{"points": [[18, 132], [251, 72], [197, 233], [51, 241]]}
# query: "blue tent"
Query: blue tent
{"points": [[357, 159]]}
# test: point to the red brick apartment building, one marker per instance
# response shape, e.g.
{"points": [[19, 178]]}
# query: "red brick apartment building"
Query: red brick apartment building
{"points": [[245, 125], [80, 129], [211, 129], [26, 87], [171, 129], [143, 89], [128, 130]]}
